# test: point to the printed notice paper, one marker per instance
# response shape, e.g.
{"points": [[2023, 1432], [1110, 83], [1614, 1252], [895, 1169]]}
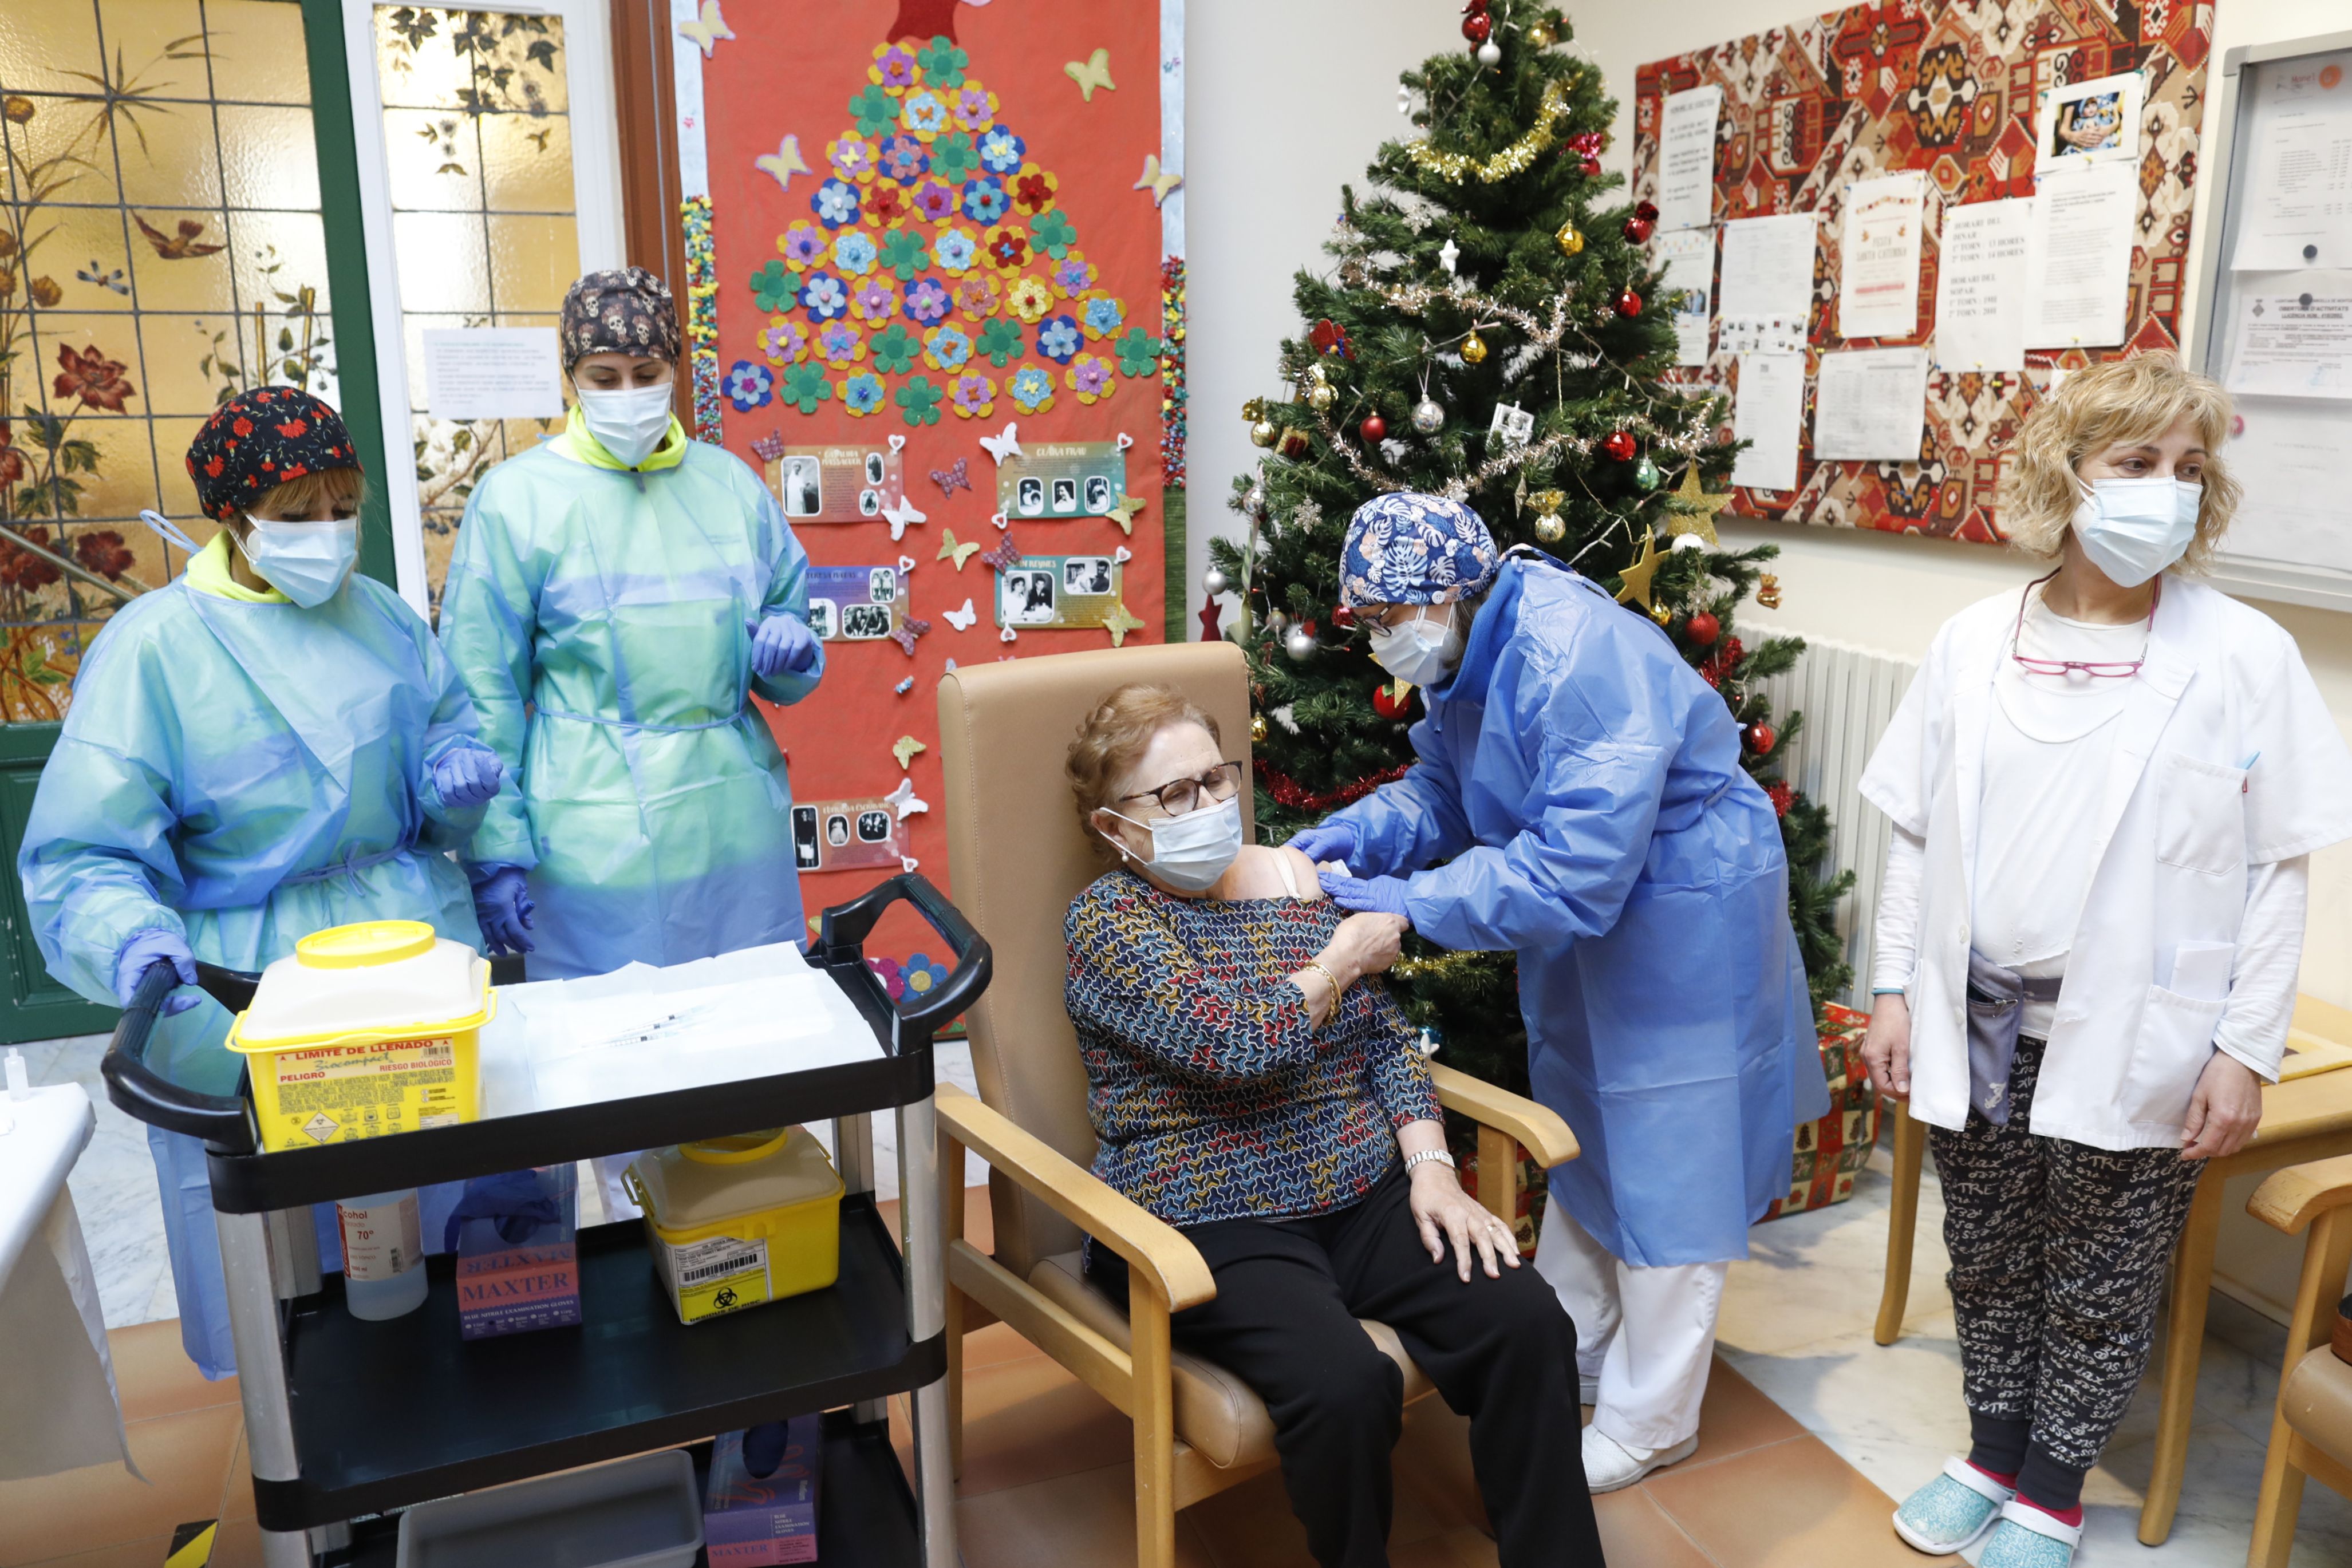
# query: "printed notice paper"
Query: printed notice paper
{"points": [[1980, 287], [2299, 201], [2079, 257], [1769, 414], [1878, 282], [1767, 292], [492, 373], [1869, 405], [2298, 344], [1687, 256], [1686, 159]]}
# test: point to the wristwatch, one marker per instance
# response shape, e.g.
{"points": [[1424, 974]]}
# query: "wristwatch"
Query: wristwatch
{"points": [[1442, 1155]]}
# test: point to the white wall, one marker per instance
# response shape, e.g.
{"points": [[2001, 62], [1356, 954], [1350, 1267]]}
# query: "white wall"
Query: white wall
{"points": [[1286, 100]]}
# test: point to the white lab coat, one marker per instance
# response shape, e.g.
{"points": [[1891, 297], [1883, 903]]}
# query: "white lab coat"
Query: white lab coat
{"points": [[2181, 818]]}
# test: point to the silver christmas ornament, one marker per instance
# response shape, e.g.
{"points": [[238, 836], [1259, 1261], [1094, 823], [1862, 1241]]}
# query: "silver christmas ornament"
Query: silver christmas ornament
{"points": [[1254, 501], [1213, 581], [1299, 644], [1427, 417], [1490, 53]]}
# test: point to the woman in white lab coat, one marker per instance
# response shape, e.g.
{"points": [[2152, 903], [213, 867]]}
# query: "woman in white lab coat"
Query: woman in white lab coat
{"points": [[2105, 793]]}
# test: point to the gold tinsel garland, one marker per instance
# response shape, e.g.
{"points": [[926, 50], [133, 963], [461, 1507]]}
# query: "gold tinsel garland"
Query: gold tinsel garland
{"points": [[1512, 160], [1438, 966]]}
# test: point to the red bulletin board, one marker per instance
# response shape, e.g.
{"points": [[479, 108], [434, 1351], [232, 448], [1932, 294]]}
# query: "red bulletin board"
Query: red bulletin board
{"points": [[810, 106], [1954, 91]]}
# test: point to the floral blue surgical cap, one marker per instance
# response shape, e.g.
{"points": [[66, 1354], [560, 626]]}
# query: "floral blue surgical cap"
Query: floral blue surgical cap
{"points": [[1409, 549]]}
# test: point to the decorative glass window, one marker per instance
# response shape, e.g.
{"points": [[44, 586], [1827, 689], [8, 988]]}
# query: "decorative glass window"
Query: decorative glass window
{"points": [[161, 249], [478, 145]]}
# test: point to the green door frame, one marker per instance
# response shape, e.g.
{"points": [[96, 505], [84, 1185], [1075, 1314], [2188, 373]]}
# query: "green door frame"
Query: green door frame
{"points": [[40, 1008]]}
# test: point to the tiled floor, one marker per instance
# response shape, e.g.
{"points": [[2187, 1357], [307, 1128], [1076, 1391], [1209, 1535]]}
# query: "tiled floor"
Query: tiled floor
{"points": [[1807, 1428]]}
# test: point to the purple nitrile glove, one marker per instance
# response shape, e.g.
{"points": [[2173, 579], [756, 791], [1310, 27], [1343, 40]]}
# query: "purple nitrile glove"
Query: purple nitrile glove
{"points": [[1376, 895], [144, 951], [1325, 842], [504, 908], [781, 643], [466, 774]]}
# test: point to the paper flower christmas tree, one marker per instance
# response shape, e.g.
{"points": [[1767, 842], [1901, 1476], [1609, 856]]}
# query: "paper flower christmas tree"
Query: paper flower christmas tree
{"points": [[936, 271]]}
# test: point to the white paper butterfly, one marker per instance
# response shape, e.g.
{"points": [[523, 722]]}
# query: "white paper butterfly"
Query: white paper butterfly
{"points": [[904, 800], [900, 516], [962, 620], [1005, 445]]}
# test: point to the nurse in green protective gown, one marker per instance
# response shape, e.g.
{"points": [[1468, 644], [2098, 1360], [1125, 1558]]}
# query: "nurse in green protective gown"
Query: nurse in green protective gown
{"points": [[616, 597]]}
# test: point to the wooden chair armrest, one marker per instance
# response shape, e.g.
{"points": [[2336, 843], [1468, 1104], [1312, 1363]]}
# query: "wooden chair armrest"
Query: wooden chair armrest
{"points": [[1539, 1131], [1155, 1250], [2292, 1198]]}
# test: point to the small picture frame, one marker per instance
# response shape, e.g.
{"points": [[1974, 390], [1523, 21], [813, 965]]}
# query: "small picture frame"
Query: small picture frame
{"points": [[2094, 121], [1515, 425]]}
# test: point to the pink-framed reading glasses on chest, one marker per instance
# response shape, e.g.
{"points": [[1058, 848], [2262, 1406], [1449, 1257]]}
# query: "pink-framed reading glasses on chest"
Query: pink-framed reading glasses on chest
{"points": [[2097, 670]]}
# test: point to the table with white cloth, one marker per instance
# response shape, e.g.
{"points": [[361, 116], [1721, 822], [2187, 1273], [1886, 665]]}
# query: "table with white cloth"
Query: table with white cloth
{"points": [[59, 1407]]}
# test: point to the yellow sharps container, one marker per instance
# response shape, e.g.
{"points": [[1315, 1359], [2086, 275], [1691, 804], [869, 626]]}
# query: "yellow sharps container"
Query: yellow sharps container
{"points": [[367, 1029], [738, 1221]]}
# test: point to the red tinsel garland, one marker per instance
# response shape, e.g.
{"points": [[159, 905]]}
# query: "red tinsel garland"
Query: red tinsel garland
{"points": [[1291, 793]]}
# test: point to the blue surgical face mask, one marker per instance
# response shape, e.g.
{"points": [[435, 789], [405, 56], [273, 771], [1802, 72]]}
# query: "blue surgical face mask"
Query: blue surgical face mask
{"points": [[1417, 652], [1192, 851], [305, 561], [2134, 528]]}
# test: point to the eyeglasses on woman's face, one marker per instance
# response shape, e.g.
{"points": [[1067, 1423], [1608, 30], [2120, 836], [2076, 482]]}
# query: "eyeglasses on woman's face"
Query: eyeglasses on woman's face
{"points": [[1217, 786]]}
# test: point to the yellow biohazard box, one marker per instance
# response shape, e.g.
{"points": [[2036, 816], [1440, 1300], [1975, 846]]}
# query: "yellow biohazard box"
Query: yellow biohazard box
{"points": [[738, 1221], [367, 1029]]}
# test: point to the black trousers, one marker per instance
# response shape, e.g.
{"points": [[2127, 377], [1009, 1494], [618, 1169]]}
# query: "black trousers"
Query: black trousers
{"points": [[1501, 1351], [2058, 1254]]}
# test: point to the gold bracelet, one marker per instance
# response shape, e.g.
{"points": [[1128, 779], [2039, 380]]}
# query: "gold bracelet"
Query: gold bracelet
{"points": [[1338, 990]]}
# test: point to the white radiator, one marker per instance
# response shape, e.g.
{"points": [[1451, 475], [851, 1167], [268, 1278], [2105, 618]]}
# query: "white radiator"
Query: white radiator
{"points": [[1847, 695]]}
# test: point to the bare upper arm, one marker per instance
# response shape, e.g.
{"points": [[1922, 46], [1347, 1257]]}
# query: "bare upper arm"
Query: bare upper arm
{"points": [[1259, 873]]}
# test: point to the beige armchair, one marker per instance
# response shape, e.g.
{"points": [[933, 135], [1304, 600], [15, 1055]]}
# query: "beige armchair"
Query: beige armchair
{"points": [[2311, 1432], [1016, 857]]}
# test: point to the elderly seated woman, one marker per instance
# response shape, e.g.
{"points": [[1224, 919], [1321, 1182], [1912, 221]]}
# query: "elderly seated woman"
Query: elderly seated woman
{"points": [[1252, 1085]]}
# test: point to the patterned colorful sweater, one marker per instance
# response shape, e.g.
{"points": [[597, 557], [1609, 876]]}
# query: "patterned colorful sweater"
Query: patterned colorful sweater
{"points": [[1213, 1096]]}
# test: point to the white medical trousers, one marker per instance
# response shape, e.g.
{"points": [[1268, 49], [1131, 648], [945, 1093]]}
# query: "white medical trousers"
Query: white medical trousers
{"points": [[1647, 1335]]}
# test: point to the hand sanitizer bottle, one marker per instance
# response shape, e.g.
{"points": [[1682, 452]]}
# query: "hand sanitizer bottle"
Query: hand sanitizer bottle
{"points": [[383, 1254]]}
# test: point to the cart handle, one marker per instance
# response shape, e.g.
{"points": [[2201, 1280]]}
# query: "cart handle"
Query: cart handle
{"points": [[840, 938], [141, 1092]]}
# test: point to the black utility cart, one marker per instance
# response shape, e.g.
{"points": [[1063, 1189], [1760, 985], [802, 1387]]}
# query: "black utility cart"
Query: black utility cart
{"points": [[349, 1421]]}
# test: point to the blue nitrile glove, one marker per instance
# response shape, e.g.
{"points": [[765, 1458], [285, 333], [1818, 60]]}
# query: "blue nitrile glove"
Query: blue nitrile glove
{"points": [[764, 1446], [142, 952], [513, 1199], [782, 645], [1376, 895], [1325, 842], [466, 774], [503, 907]]}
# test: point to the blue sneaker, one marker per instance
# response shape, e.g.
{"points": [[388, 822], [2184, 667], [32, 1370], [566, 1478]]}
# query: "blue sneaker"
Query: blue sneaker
{"points": [[1950, 1511], [2028, 1538]]}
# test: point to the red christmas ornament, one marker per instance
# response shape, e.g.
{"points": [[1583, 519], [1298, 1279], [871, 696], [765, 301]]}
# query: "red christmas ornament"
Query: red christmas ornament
{"points": [[1620, 446], [1703, 629], [1477, 25], [1375, 430], [1342, 617], [1391, 702], [1646, 211], [1760, 737], [1587, 143], [1208, 617], [1628, 304], [1592, 169], [1330, 338], [1638, 230], [1781, 796]]}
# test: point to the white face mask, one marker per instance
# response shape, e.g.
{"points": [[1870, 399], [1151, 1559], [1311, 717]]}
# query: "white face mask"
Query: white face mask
{"points": [[2134, 528], [1416, 653], [630, 420], [1192, 851], [306, 563]]}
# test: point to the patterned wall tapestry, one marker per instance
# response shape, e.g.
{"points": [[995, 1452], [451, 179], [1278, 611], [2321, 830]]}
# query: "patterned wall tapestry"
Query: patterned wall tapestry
{"points": [[935, 259], [1952, 90]]}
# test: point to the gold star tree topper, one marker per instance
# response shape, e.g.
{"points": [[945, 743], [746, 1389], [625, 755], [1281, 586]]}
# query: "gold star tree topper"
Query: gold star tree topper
{"points": [[1691, 510]]}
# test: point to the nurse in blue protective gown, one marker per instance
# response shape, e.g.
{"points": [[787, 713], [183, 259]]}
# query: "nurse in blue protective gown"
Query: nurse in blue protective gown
{"points": [[268, 745], [615, 597], [1582, 787]]}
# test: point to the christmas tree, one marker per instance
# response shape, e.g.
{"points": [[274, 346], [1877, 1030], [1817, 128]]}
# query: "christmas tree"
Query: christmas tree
{"points": [[1492, 330]]}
